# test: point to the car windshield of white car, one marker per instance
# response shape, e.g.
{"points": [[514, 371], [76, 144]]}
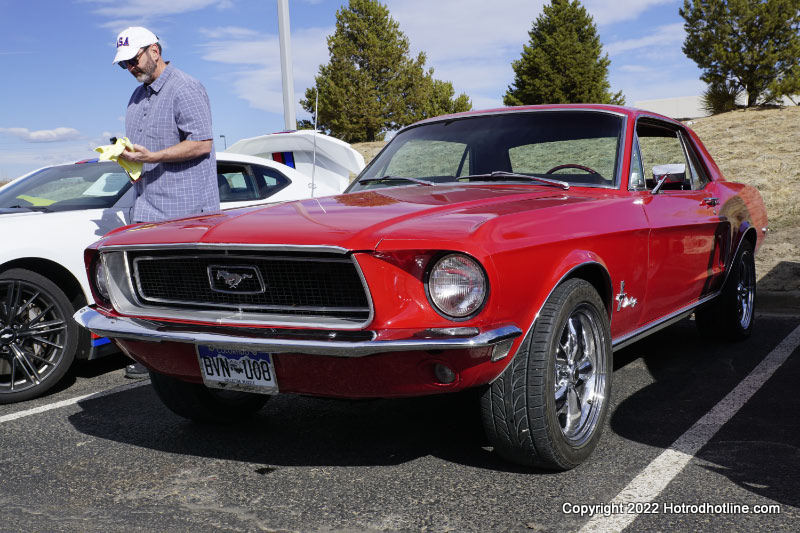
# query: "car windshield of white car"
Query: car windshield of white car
{"points": [[95, 185], [577, 147]]}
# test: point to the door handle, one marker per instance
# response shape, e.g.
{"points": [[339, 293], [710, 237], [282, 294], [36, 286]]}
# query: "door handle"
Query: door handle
{"points": [[711, 201]]}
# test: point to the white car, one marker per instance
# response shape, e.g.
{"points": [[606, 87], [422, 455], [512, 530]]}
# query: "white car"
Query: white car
{"points": [[48, 218]]}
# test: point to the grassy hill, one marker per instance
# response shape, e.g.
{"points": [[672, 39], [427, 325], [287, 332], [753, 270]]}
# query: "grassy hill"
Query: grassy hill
{"points": [[759, 147]]}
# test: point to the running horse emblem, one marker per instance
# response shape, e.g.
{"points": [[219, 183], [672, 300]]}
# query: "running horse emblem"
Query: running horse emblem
{"points": [[231, 279]]}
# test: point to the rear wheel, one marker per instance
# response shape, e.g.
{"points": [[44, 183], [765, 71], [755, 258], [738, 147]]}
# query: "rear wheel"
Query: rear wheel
{"points": [[38, 338], [549, 406], [731, 315], [202, 404]]}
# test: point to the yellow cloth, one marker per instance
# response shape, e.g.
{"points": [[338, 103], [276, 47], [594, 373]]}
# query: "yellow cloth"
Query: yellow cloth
{"points": [[111, 152]]}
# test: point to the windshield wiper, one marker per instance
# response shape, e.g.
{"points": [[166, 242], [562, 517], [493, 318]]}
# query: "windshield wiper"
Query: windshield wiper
{"points": [[29, 207], [499, 175], [390, 178]]}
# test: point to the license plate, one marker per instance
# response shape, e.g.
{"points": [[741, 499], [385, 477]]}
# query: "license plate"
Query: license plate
{"points": [[235, 369]]}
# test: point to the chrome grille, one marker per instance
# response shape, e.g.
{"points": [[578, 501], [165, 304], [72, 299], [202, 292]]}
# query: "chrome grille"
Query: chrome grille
{"points": [[316, 284]]}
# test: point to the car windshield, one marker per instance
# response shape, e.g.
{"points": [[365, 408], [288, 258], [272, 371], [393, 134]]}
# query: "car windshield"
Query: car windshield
{"points": [[68, 187], [575, 147]]}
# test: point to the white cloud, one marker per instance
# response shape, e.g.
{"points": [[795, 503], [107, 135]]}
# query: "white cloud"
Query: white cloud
{"points": [[612, 11], [43, 136], [228, 32], [145, 9], [261, 87], [636, 69], [663, 37]]}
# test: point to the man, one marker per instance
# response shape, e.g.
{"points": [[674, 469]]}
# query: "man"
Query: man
{"points": [[169, 123]]}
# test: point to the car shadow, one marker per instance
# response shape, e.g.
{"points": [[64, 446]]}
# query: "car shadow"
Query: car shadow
{"points": [[294, 430], [779, 290], [758, 449], [82, 369], [785, 276]]}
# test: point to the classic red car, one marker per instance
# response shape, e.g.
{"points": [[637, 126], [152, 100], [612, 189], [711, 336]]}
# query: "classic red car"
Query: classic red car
{"points": [[511, 250]]}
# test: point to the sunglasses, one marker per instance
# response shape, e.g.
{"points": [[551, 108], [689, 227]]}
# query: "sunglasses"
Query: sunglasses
{"points": [[132, 62]]}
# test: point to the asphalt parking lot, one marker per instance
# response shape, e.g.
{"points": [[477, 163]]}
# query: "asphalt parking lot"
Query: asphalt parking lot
{"points": [[698, 430]]}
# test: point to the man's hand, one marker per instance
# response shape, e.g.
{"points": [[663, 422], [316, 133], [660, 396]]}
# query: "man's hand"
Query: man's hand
{"points": [[141, 155]]}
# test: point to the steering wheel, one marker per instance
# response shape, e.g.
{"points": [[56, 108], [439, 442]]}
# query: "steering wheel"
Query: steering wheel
{"points": [[572, 165]]}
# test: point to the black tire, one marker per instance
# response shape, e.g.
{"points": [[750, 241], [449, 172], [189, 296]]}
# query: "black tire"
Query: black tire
{"points": [[202, 404], [38, 337], [525, 410], [731, 315]]}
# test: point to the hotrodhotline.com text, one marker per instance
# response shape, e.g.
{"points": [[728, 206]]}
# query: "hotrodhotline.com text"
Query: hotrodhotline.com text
{"points": [[608, 509]]}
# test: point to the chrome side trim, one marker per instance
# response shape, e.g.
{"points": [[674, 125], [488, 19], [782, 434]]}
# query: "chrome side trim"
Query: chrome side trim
{"points": [[729, 267], [657, 325], [144, 330]]}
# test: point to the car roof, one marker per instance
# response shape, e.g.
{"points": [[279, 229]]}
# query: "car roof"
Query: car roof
{"points": [[631, 112]]}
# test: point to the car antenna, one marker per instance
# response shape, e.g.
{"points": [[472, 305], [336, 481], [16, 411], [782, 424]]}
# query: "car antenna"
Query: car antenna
{"points": [[314, 157]]}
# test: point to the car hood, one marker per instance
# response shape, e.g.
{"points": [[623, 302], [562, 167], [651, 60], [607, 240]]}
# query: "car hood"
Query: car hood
{"points": [[358, 221]]}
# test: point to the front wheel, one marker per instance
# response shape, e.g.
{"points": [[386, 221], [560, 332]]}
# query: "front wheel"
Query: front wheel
{"points": [[38, 337], [549, 407], [202, 404]]}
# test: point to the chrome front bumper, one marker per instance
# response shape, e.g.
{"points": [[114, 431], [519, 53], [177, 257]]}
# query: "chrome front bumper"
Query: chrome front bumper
{"points": [[145, 330]]}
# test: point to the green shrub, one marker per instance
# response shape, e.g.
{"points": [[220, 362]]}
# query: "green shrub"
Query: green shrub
{"points": [[720, 98]]}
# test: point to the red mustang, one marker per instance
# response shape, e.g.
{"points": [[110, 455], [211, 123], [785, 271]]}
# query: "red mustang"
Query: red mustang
{"points": [[510, 250]]}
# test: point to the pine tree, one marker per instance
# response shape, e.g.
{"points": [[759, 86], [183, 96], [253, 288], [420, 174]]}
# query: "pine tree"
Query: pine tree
{"points": [[563, 61], [753, 43], [371, 85]]}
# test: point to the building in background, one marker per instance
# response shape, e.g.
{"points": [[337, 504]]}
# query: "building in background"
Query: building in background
{"points": [[687, 107]]}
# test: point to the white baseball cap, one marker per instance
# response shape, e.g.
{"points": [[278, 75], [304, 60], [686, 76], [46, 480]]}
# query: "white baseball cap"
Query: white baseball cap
{"points": [[130, 40]]}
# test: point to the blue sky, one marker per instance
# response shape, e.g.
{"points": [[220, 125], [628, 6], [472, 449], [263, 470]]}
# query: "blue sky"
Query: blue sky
{"points": [[61, 96]]}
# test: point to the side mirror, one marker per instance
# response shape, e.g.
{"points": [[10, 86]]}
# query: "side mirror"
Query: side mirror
{"points": [[672, 174]]}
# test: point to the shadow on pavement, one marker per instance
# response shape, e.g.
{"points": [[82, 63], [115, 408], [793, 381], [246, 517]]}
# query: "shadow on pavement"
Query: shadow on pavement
{"points": [[691, 376], [759, 448], [87, 370], [294, 430], [785, 276]]}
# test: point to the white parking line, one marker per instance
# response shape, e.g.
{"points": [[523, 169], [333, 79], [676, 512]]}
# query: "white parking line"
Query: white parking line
{"points": [[656, 476], [71, 401]]}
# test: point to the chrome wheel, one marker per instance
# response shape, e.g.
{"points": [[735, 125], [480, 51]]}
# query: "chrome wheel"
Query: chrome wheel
{"points": [[745, 292], [580, 376], [549, 406], [33, 336]]}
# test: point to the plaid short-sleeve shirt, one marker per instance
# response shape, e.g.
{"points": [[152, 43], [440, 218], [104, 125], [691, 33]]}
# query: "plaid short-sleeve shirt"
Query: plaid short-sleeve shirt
{"points": [[172, 109]]}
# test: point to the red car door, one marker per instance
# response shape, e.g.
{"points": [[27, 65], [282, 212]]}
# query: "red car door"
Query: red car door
{"points": [[687, 235]]}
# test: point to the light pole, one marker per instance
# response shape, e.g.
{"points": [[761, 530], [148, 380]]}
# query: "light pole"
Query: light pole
{"points": [[287, 77], [224, 139]]}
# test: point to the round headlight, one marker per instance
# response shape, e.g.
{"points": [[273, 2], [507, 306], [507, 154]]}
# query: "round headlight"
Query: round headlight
{"points": [[100, 279], [457, 285]]}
